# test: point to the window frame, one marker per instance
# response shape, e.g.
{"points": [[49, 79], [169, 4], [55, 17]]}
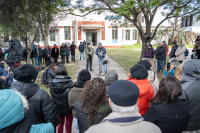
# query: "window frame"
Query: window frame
{"points": [[67, 28], [52, 38], [135, 34], [128, 36], [115, 37]]}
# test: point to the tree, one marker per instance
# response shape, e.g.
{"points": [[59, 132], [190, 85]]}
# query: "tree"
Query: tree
{"points": [[131, 9], [28, 20]]}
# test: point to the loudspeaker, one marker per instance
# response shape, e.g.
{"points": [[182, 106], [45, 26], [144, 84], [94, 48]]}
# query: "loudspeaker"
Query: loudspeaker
{"points": [[15, 47]]}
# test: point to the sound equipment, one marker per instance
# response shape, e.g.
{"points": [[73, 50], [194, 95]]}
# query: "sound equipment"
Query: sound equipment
{"points": [[15, 47]]}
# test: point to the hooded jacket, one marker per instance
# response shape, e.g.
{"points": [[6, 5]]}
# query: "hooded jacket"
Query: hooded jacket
{"points": [[41, 108], [191, 92], [60, 87], [180, 53], [153, 80], [146, 94], [99, 50], [54, 53], [149, 53], [160, 53], [137, 126]]}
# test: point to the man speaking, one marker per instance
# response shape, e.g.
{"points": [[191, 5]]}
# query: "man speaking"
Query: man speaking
{"points": [[101, 52]]}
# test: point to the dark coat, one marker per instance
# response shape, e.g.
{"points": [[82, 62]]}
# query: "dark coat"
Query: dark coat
{"points": [[82, 117], [7, 51], [63, 50], [54, 54], [45, 53], [51, 75], [99, 50], [40, 51], [84, 43], [81, 48], [41, 107], [160, 53], [67, 52], [172, 53], [25, 54], [149, 53], [72, 48], [60, 87]]}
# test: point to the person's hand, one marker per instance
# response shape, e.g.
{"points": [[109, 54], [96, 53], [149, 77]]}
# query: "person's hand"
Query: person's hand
{"points": [[3, 77], [2, 61], [102, 52], [2, 51], [90, 53]]}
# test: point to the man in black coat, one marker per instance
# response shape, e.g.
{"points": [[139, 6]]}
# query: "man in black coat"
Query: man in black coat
{"points": [[84, 43], [160, 56], [72, 48], [41, 107], [46, 55], [81, 49], [33, 54], [55, 53]]}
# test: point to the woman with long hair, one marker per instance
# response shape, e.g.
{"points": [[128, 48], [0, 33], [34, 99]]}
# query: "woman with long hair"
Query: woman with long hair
{"points": [[167, 111], [51, 72], [60, 87], [92, 108]]}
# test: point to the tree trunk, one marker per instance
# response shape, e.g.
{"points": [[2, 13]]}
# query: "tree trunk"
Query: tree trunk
{"points": [[138, 38], [144, 47], [139, 21], [29, 56]]}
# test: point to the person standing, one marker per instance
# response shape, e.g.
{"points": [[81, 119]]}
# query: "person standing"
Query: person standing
{"points": [[46, 54], [101, 52], [166, 51], [81, 49], [172, 53], [73, 48], [67, 53], [60, 87], [149, 53], [40, 54], [63, 53], [160, 56], [180, 52], [89, 52], [55, 53], [37, 61], [84, 43]]}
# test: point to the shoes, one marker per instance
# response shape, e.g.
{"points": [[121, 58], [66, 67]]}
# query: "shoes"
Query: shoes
{"points": [[91, 70], [161, 71], [68, 62]]}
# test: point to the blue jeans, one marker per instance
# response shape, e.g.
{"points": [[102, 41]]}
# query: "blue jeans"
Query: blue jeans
{"points": [[63, 59], [76, 125], [37, 61], [82, 53], [100, 64], [1, 71], [33, 61], [160, 65]]}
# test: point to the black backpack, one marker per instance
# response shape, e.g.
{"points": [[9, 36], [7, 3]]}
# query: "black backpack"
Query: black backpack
{"points": [[44, 77]]}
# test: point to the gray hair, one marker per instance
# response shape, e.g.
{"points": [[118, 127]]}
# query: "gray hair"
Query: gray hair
{"points": [[100, 43], [123, 110], [24, 100], [174, 62]]}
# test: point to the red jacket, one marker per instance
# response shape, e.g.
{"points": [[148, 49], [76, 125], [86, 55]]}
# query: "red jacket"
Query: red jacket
{"points": [[166, 49], [146, 94]]}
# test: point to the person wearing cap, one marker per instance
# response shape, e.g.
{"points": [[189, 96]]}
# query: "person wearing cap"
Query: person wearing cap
{"points": [[124, 117], [110, 77], [167, 111], [92, 108], [138, 75], [180, 52], [152, 77], [41, 109], [89, 52], [149, 53], [101, 52], [13, 106], [160, 56], [173, 50], [75, 93], [166, 51]]}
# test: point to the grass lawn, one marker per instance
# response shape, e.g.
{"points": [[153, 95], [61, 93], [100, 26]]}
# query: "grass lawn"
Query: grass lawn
{"points": [[126, 57], [71, 70]]}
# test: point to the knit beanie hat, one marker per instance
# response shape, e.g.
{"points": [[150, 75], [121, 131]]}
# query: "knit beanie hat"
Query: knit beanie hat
{"points": [[123, 93], [145, 63], [83, 76], [111, 76], [139, 72], [178, 70], [25, 73]]}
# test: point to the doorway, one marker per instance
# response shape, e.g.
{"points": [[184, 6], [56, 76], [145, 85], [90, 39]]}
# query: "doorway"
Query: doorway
{"points": [[91, 37]]}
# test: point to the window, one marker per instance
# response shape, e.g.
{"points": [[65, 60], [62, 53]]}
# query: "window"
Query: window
{"points": [[134, 34], [142, 19], [67, 32], [52, 35], [114, 33], [127, 35], [123, 34]]}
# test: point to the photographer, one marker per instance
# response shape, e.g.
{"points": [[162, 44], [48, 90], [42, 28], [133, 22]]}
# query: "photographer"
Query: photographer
{"points": [[7, 78], [173, 65], [196, 51]]}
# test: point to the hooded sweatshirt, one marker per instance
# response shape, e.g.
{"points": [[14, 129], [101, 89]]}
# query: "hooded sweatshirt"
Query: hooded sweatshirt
{"points": [[191, 92]]}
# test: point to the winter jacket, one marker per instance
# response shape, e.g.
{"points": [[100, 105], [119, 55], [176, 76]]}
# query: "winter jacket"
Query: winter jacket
{"points": [[40, 51], [45, 53], [49, 48], [149, 53], [1, 64], [170, 118], [33, 54], [81, 48], [88, 53], [55, 54], [173, 51], [103, 111], [99, 50], [84, 43], [62, 51], [51, 75], [146, 94], [180, 53], [153, 80], [160, 53], [12, 117], [132, 126], [171, 73], [60, 87], [41, 107], [8, 82], [191, 92], [67, 52], [166, 49], [196, 54], [72, 48], [74, 95]]}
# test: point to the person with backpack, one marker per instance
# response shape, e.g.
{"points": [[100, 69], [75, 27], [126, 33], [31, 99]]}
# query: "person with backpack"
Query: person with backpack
{"points": [[81, 49], [180, 52], [60, 87]]}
